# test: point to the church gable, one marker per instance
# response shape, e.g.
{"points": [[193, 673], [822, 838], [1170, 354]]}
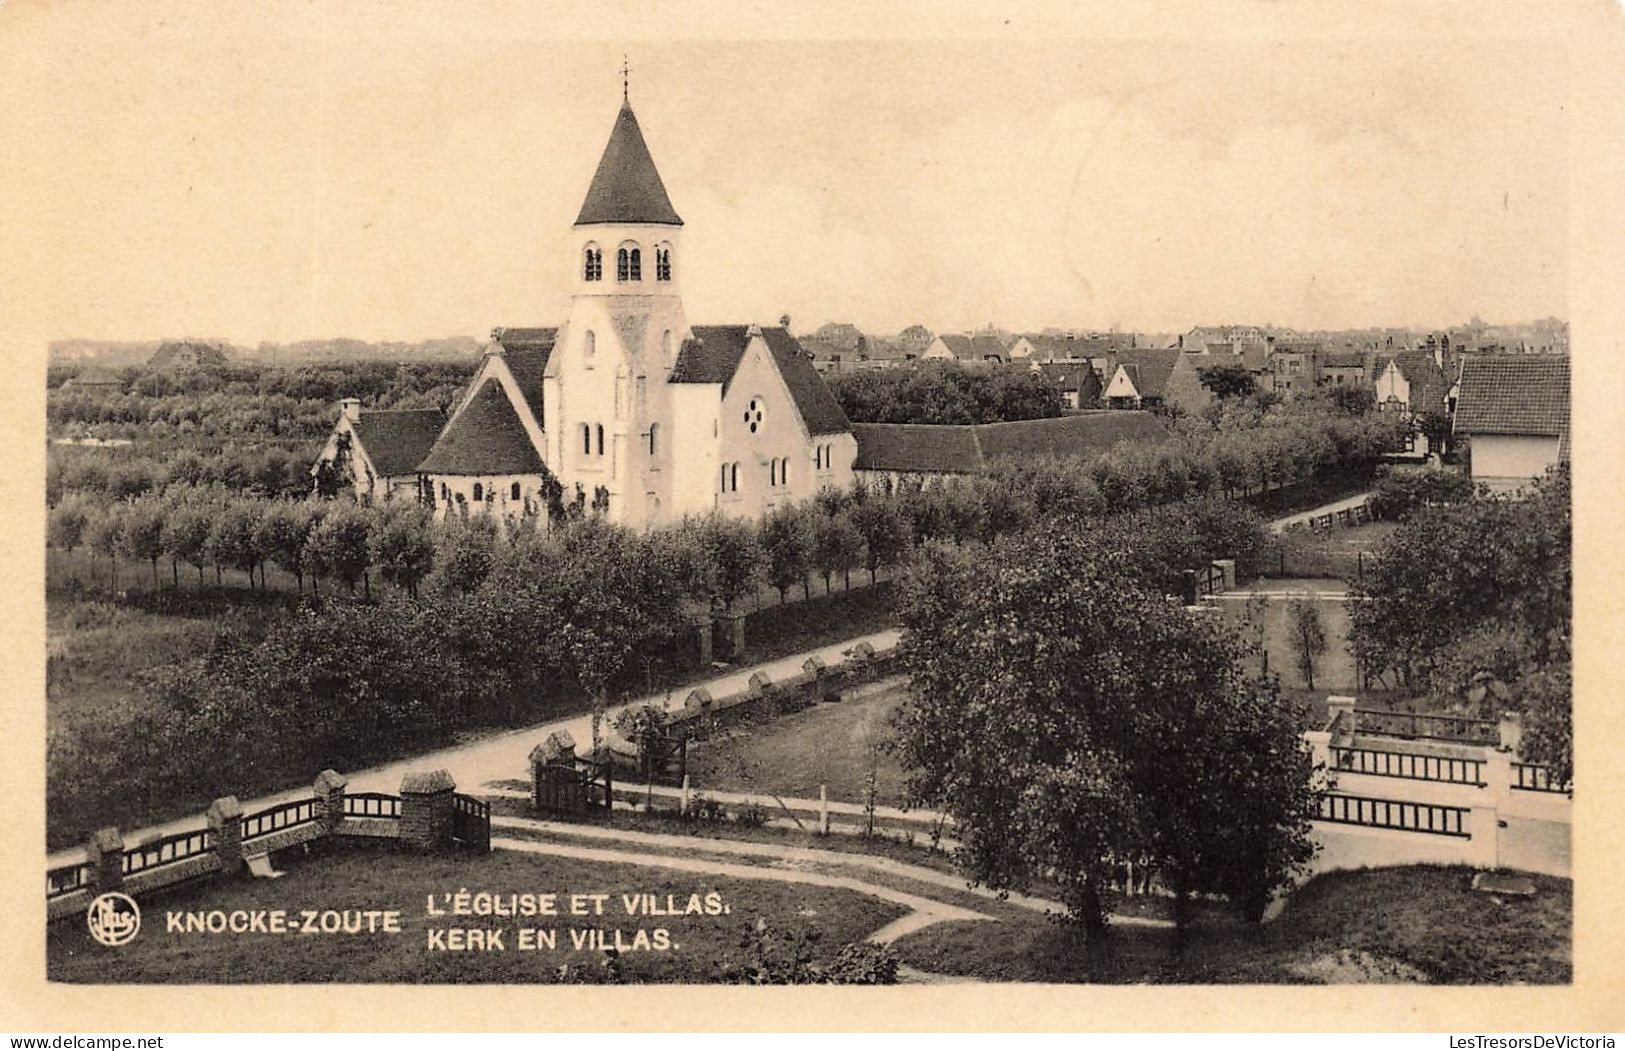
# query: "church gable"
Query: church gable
{"points": [[486, 438]]}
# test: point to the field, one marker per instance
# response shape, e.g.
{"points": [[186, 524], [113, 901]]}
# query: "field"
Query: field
{"points": [[373, 878], [1414, 924]]}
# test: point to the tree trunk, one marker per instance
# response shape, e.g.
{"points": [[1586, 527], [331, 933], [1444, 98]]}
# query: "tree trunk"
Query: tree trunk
{"points": [[175, 571], [218, 579], [366, 584], [155, 573]]}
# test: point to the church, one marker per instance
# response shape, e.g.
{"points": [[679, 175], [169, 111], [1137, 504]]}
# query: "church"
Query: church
{"points": [[626, 406]]}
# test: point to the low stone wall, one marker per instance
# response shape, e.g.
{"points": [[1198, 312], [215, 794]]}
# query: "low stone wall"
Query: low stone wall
{"points": [[423, 822]]}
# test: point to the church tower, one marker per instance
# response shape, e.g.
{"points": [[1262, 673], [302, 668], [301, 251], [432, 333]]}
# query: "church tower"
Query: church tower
{"points": [[606, 400]]}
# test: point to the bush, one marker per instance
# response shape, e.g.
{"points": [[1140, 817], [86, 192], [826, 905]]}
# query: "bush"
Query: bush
{"points": [[1399, 492]]}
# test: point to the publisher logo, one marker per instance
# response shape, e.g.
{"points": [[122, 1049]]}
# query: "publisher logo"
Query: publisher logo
{"points": [[113, 918]]}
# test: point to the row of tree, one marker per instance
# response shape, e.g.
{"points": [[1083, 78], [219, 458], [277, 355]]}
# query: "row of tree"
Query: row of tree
{"points": [[946, 392]]}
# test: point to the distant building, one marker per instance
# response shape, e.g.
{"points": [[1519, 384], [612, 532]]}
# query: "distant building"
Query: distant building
{"points": [[967, 350], [914, 340], [935, 453], [1514, 409], [1148, 378], [187, 354], [377, 453], [95, 378], [1076, 380], [1294, 366]]}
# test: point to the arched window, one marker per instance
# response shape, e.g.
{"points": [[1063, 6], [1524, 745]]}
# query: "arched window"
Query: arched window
{"points": [[818, 457], [784, 471], [445, 492], [665, 345], [589, 346], [600, 439], [592, 264], [629, 262], [479, 492], [733, 476], [622, 267], [636, 265], [654, 438], [722, 483], [663, 262], [586, 439], [772, 473], [515, 495]]}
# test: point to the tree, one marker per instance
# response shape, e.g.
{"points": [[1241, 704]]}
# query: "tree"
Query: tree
{"points": [[402, 547], [1307, 637], [104, 533], [142, 538], [1471, 603], [787, 542], [280, 536], [733, 551], [66, 526], [837, 545], [186, 536], [1070, 719], [231, 539], [1228, 381], [885, 532], [468, 551], [337, 546]]}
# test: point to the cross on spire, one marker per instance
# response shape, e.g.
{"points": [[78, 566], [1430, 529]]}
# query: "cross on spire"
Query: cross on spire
{"points": [[626, 79]]}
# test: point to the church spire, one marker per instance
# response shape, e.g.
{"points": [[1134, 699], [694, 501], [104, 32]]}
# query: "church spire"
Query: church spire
{"points": [[626, 188]]}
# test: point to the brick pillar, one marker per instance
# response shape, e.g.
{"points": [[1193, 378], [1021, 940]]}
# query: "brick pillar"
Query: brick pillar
{"points": [[759, 684], [1498, 776], [330, 786], [226, 819], [736, 638], [1510, 732], [699, 702], [426, 809], [105, 851], [705, 630]]}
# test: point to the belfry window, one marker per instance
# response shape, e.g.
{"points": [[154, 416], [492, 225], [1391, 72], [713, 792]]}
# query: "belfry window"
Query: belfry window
{"points": [[586, 439], [629, 263], [663, 263], [592, 267]]}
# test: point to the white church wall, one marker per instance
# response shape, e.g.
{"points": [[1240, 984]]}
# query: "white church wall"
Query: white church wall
{"points": [[693, 447], [780, 438]]}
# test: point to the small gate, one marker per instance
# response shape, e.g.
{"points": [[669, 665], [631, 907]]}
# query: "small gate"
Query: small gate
{"points": [[663, 758], [471, 823]]}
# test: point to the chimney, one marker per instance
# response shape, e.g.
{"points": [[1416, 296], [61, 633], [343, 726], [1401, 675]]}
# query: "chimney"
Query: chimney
{"points": [[350, 408], [753, 331], [784, 322]]}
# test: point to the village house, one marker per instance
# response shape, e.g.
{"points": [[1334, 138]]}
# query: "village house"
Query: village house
{"points": [[1077, 381], [937, 454], [186, 354], [95, 378], [1148, 378], [1294, 366], [1514, 411], [967, 350], [376, 453], [625, 406]]}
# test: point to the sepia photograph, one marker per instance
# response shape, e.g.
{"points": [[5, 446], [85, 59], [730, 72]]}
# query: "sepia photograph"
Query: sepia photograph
{"points": [[523, 506]]}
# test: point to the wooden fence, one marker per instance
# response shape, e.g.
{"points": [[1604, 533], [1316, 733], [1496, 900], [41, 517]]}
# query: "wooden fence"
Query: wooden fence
{"points": [[1394, 814], [1379, 762]]}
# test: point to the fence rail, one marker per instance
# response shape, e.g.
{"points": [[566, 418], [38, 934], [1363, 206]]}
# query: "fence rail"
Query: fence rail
{"points": [[1395, 814], [65, 879], [1425, 727], [372, 804], [1527, 777], [276, 818], [169, 849], [1381, 763]]}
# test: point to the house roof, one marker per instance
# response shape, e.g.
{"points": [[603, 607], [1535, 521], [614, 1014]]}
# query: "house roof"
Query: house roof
{"points": [[1427, 381], [396, 440], [714, 353], [1072, 375], [965, 449], [959, 346], [1148, 368], [1522, 394], [1051, 348], [985, 347], [1352, 359], [526, 351], [626, 188], [167, 353], [485, 438], [96, 376]]}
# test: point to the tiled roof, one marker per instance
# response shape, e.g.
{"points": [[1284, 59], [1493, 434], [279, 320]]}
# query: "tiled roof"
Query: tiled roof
{"points": [[960, 346], [526, 350], [1427, 381], [1343, 360], [203, 353], [1053, 348], [626, 188], [1522, 394], [1149, 368], [1073, 376], [485, 438], [713, 356], [396, 440], [926, 448], [985, 347]]}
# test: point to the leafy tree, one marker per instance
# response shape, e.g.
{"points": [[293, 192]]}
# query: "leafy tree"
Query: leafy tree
{"points": [[143, 532], [1070, 718], [280, 536], [104, 533], [1307, 637], [837, 545], [186, 537], [787, 542], [231, 539], [885, 532], [1228, 381], [1471, 603], [402, 547], [732, 549], [65, 528], [338, 547], [469, 548]]}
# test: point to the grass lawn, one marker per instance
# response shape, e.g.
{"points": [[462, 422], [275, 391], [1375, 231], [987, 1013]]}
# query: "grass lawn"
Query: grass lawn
{"points": [[791, 755], [1412, 924], [339, 877]]}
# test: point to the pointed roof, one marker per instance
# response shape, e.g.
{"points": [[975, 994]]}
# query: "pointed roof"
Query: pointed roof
{"points": [[485, 438], [714, 353], [396, 440], [627, 188]]}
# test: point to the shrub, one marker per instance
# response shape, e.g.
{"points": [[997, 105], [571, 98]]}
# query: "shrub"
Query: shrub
{"points": [[1399, 492]]}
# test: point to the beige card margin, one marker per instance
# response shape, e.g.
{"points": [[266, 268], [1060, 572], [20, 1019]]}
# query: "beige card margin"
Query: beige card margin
{"points": [[1589, 30]]}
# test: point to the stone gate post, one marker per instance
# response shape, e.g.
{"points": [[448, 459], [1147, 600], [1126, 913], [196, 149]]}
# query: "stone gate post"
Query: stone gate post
{"points": [[105, 850], [426, 809], [226, 819]]}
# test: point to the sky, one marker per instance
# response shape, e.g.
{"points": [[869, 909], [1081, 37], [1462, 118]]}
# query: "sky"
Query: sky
{"points": [[316, 170]]}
